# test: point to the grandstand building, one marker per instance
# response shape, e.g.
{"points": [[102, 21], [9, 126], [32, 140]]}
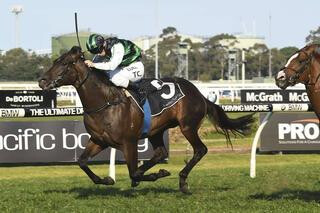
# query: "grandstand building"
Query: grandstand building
{"points": [[242, 41], [146, 42]]}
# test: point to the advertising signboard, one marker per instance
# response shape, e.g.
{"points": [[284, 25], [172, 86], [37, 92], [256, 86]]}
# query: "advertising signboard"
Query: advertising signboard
{"points": [[53, 141], [287, 131], [273, 96], [28, 99]]}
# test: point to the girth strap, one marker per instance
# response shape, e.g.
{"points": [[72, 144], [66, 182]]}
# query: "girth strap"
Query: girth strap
{"points": [[106, 105]]}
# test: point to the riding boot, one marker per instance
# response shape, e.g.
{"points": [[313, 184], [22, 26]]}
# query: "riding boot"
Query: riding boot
{"points": [[149, 90], [133, 86], [138, 90]]}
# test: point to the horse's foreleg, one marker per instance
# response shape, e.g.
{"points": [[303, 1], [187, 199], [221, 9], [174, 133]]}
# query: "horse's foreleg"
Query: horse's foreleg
{"points": [[199, 151], [91, 150], [130, 153], [137, 174]]}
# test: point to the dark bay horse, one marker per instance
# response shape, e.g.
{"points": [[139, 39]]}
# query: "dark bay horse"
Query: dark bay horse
{"points": [[303, 67], [113, 119]]}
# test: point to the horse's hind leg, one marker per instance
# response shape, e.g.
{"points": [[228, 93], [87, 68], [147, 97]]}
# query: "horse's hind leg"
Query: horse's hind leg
{"points": [[199, 151], [160, 153], [91, 150]]}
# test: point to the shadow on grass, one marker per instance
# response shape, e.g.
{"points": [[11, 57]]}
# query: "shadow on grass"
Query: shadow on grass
{"points": [[83, 193], [223, 189], [287, 194]]}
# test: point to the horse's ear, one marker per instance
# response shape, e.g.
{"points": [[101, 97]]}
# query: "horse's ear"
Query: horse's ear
{"points": [[76, 49], [76, 52]]}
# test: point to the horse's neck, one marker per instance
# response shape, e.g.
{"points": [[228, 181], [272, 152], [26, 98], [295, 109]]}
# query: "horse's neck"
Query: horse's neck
{"points": [[95, 92]]}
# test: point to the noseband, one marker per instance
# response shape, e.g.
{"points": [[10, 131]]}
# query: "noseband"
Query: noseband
{"points": [[292, 80]]}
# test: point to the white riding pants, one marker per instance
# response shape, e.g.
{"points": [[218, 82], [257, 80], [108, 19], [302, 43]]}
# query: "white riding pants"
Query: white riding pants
{"points": [[122, 75]]}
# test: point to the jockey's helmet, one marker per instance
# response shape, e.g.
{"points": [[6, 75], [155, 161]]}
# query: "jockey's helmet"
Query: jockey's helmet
{"points": [[95, 43]]}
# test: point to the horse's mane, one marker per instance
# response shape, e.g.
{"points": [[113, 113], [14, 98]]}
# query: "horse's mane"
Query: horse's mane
{"points": [[311, 45], [103, 80], [61, 57], [102, 77]]}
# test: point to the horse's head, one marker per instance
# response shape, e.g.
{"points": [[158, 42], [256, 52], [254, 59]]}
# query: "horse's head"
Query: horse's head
{"points": [[297, 67], [68, 69]]}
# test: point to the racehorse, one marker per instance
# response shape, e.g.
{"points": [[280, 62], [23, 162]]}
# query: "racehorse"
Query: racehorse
{"points": [[114, 120], [303, 67]]}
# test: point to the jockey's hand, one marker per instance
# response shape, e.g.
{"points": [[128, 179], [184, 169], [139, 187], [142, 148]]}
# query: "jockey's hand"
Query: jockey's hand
{"points": [[89, 63]]}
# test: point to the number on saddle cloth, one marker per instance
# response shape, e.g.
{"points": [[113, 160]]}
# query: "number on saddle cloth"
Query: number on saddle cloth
{"points": [[149, 86]]}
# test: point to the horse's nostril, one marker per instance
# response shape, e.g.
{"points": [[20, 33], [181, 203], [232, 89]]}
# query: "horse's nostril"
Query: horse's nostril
{"points": [[41, 83], [41, 79]]}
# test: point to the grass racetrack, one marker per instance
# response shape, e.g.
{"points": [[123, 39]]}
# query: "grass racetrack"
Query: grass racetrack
{"points": [[220, 183]]}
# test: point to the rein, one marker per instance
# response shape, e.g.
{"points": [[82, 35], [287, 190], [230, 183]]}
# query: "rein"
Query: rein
{"points": [[106, 105], [84, 80], [62, 75]]}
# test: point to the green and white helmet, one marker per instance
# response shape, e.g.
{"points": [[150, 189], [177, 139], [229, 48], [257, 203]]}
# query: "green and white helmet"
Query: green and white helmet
{"points": [[95, 43]]}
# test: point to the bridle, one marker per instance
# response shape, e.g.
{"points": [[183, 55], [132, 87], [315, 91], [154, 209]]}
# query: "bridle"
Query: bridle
{"points": [[66, 70], [292, 80]]}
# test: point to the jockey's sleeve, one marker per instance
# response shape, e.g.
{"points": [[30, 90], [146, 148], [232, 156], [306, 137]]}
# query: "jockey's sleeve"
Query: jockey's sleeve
{"points": [[117, 53]]}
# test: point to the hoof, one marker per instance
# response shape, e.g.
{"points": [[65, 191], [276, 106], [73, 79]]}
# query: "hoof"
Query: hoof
{"points": [[185, 189], [107, 181], [134, 183], [163, 173]]}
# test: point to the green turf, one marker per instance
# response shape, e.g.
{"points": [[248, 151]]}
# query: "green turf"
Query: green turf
{"points": [[220, 183]]}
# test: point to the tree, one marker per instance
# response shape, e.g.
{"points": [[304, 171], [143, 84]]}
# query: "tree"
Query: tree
{"points": [[287, 52], [208, 60], [168, 31], [314, 36], [166, 56], [215, 56], [257, 61], [19, 65]]}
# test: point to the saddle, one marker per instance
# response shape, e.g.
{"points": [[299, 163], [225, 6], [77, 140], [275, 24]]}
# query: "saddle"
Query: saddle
{"points": [[160, 94], [144, 88]]}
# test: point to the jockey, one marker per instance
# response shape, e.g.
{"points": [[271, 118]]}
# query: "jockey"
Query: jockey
{"points": [[119, 58]]}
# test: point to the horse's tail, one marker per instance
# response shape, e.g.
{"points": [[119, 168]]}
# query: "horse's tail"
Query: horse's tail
{"points": [[225, 125]]}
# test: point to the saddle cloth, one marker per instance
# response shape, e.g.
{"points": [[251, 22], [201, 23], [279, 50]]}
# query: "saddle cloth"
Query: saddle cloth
{"points": [[167, 96]]}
